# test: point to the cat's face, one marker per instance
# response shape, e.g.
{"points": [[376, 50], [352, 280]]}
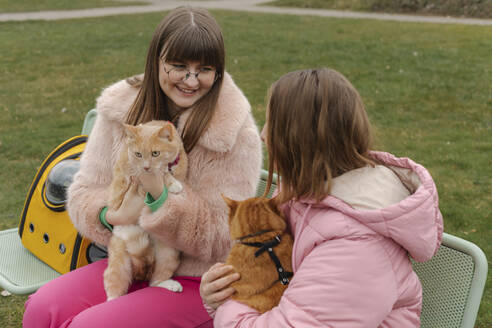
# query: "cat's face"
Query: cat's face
{"points": [[151, 146], [253, 215]]}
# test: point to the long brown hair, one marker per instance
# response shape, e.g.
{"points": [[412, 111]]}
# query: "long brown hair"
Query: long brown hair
{"points": [[185, 34], [317, 129]]}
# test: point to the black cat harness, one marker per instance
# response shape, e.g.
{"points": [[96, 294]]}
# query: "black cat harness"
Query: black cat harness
{"points": [[283, 276]]}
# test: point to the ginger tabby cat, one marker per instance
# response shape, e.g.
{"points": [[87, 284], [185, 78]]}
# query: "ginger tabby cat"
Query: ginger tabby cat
{"points": [[261, 254], [133, 254]]}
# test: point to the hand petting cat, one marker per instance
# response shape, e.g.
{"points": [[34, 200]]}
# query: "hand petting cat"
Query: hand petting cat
{"points": [[215, 286], [152, 182], [133, 202], [130, 209]]}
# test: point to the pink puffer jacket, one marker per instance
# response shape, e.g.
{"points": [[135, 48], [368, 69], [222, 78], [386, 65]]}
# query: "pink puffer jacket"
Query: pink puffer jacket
{"points": [[351, 266]]}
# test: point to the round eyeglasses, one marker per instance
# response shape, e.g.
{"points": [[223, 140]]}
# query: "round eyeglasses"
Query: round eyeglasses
{"points": [[180, 73]]}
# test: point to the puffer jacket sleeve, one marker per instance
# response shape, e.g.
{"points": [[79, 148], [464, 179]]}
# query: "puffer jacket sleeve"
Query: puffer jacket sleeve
{"points": [[86, 195], [340, 283], [195, 221]]}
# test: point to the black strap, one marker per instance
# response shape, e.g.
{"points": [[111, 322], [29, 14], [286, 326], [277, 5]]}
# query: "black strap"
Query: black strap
{"points": [[283, 276]]}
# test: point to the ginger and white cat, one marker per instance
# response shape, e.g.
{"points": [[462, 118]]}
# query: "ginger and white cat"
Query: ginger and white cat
{"points": [[154, 146], [262, 252]]}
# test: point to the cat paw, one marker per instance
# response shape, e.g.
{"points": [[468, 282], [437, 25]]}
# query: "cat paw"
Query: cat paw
{"points": [[110, 298], [169, 284], [175, 187]]}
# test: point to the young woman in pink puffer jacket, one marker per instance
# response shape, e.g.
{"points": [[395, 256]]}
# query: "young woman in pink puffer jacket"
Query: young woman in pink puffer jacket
{"points": [[356, 216]]}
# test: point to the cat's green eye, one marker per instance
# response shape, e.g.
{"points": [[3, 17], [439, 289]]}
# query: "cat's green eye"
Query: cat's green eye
{"points": [[138, 154], [156, 153]]}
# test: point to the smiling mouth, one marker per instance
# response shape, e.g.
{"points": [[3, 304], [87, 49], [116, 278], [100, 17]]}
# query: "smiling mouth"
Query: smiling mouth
{"points": [[188, 92]]}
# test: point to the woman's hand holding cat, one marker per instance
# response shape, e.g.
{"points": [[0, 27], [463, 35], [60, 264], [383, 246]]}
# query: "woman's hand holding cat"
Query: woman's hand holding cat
{"points": [[129, 211], [215, 285], [153, 183]]}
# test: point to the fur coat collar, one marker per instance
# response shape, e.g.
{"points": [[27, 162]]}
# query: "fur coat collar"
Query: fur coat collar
{"points": [[222, 131]]}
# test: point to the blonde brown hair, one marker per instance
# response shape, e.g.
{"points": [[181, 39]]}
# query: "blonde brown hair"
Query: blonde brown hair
{"points": [[317, 129], [185, 34]]}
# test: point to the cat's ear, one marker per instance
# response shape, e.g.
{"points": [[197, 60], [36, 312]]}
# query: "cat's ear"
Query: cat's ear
{"points": [[277, 221], [130, 131], [166, 132], [273, 205], [230, 202]]}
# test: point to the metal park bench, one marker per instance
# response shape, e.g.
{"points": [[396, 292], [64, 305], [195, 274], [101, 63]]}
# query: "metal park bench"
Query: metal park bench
{"points": [[453, 281]]}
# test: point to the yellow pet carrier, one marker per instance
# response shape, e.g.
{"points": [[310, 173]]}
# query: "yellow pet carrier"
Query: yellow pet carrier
{"points": [[45, 227]]}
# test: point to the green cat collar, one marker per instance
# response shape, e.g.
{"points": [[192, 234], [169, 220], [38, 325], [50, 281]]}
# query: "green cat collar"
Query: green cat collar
{"points": [[155, 204], [102, 218]]}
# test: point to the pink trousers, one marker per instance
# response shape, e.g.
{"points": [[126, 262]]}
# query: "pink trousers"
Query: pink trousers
{"points": [[77, 299]]}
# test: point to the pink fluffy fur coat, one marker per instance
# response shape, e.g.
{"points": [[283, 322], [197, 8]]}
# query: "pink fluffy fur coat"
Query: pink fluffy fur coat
{"points": [[226, 160]]}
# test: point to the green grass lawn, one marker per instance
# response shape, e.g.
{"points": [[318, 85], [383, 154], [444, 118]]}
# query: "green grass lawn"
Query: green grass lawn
{"points": [[458, 8], [426, 88], [12, 6]]}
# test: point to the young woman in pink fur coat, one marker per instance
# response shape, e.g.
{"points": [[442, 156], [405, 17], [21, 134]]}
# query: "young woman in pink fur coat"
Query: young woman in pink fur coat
{"points": [[356, 215], [184, 82]]}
